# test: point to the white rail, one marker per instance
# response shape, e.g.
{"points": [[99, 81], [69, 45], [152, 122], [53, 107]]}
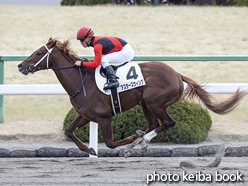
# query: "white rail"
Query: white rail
{"points": [[32, 89], [57, 89]]}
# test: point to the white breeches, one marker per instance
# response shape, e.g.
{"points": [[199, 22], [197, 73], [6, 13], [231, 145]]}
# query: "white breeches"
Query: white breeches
{"points": [[124, 55]]}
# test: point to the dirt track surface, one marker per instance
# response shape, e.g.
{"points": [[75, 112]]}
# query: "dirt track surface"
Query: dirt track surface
{"points": [[114, 171]]}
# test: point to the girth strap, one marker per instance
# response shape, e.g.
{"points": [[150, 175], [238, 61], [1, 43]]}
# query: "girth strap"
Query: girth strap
{"points": [[115, 99]]}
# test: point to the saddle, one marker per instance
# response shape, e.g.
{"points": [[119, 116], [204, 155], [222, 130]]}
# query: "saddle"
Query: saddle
{"points": [[130, 77]]}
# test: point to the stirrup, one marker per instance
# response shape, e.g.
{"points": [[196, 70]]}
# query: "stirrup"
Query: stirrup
{"points": [[111, 85]]}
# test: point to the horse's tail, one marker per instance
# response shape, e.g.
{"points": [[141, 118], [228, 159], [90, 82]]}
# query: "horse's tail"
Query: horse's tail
{"points": [[194, 89]]}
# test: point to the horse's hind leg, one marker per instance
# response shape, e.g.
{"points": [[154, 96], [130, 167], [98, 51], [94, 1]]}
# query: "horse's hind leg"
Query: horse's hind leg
{"points": [[107, 131], [166, 122], [158, 108], [77, 123], [152, 124]]}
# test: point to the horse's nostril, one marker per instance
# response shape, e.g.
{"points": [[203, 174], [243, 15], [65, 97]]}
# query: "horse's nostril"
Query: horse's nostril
{"points": [[20, 66]]}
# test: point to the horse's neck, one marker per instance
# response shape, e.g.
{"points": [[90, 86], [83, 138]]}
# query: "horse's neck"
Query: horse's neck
{"points": [[69, 78]]}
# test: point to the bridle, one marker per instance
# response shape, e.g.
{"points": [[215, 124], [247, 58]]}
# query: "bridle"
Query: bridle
{"points": [[34, 67]]}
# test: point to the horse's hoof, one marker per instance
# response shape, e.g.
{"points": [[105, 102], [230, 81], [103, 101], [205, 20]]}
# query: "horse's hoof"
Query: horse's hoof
{"points": [[93, 152], [127, 154], [140, 133], [144, 145], [144, 149]]}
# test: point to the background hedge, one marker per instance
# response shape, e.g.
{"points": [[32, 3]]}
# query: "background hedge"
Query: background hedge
{"points": [[192, 124], [85, 2], [146, 2]]}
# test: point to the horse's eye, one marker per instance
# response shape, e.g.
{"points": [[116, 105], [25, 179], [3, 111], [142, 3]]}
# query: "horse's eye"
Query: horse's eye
{"points": [[38, 53]]}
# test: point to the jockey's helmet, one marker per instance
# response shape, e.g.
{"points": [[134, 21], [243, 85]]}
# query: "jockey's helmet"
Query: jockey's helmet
{"points": [[84, 32]]}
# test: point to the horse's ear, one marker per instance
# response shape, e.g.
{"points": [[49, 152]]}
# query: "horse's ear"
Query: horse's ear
{"points": [[52, 42]]}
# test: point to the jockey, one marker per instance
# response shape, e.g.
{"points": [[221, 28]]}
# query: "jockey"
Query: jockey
{"points": [[107, 50]]}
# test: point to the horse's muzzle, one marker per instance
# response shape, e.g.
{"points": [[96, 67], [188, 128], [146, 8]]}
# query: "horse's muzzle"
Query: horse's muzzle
{"points": [[23, 69]]}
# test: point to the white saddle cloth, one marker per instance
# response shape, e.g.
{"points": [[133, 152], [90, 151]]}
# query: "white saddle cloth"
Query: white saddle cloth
{"points": [[130, 76]]}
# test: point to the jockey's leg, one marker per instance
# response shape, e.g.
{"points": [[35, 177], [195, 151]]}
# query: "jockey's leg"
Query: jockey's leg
{"points": [[124, 55], [112, 78]]}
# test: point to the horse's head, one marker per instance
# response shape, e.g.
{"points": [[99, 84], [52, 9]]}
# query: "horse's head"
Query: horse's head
{"points": [[39, 59]]}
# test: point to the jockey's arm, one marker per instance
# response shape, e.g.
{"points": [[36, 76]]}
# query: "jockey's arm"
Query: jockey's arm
{"points": [[98, 57]]}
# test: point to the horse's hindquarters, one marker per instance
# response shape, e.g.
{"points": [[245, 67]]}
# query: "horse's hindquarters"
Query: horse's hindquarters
{"points": [[164, 85]]}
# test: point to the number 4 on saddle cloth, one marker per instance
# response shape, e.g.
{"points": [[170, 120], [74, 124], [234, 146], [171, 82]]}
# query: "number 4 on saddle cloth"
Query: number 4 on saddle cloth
{"points": [[130, 76]]}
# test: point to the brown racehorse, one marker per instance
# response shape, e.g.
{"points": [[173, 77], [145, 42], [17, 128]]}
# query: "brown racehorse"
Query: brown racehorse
{"points": [[164, 86]]}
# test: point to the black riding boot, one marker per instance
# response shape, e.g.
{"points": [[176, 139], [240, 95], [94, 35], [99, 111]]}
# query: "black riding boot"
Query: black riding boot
{"points": [[112, 78]]}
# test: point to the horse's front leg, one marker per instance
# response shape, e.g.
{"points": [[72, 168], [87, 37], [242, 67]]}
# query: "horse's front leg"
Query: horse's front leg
{"points": [[80, 121], [107, 132]]}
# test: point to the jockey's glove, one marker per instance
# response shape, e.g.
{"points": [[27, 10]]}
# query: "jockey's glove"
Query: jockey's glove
{"points": [[80, 62]]}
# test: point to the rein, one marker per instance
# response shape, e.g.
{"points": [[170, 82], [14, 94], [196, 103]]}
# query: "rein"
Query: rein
{"points": [[83, 81], [34, 67]]}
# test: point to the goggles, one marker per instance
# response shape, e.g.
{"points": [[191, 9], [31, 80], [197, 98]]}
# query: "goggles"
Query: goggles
{"points": [[82, 40]]}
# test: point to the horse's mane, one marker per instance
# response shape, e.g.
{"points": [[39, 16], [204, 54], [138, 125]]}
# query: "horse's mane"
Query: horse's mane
{"points": [[65, 48]]}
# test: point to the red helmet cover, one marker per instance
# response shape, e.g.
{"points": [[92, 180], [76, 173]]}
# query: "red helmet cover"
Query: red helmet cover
{"points": [[84, 32]]}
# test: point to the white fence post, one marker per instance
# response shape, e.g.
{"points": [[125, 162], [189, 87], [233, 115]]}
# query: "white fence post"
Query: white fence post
{"points": [[93, 137]]}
